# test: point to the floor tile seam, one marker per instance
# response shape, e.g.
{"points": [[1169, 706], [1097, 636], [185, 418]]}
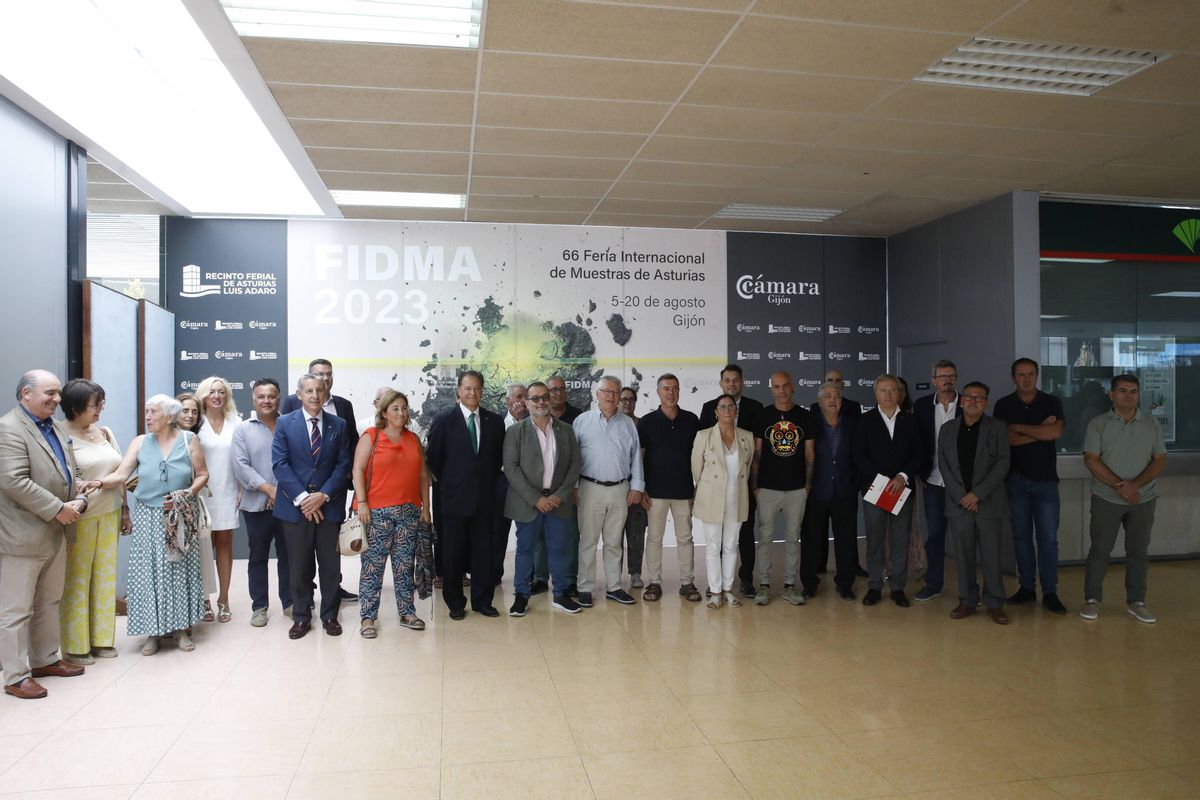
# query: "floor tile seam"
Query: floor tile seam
{"points": [[42, 736], [841, 737], [563, 710]]}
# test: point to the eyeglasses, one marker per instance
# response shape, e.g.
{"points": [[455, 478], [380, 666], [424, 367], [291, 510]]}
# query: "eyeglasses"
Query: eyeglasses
{"points": [[537, 398], [558, 389], [975, 398], [946, 376], [727, 407], [162, 471], [606, 391]]}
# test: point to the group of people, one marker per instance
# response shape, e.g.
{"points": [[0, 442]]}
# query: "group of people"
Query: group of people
{"points": [[571, 480]]}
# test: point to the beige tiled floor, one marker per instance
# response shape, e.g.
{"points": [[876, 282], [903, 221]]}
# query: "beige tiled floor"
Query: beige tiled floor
{"points": [[667, 700]]}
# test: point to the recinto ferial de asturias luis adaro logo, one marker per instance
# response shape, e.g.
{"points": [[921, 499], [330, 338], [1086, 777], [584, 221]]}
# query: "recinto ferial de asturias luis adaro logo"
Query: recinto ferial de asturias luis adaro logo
{"points": [[1188, 232], [193, 286]]}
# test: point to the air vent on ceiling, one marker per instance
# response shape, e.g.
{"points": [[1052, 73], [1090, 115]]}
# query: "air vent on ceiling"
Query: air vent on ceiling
{"points": [[780, 213]]}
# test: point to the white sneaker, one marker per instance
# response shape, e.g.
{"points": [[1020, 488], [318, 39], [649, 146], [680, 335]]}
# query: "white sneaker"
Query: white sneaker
{"points": [[259, 618], [1090, 610], [1142, 614]]}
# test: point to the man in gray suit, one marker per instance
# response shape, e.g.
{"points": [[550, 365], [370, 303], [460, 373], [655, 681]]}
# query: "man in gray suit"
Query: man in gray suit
{"points": [[973, 459], [541, 463], [40, 494]]}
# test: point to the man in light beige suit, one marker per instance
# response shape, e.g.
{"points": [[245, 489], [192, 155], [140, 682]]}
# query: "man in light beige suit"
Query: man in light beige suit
{"points": [[40, 494]]}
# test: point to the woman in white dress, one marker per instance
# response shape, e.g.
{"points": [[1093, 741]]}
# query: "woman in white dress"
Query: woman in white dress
{"points": [[216, 437]]}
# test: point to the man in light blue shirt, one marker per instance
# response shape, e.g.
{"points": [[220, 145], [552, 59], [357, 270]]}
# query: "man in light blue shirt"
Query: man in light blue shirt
{"points": [[610, 480]]}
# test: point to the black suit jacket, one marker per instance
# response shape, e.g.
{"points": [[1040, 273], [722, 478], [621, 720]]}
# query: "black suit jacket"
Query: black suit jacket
{"points": [[923, 411], [341, 406], [877, 453], [466, 480], [747, 413]]}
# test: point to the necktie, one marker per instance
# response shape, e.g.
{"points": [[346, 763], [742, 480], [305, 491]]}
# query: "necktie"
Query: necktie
{"points": [[471, 429], [315, 438]]}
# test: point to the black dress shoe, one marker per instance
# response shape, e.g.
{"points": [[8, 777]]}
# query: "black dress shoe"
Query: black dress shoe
{"points": [[846, 594], [900, 599], [1023, 595], [332, 627], [1051, 603], [748, 589], [859, 572], [488, 611], [346, 597], [299, 630], [538, 587], [458, 613], [872, 597]]}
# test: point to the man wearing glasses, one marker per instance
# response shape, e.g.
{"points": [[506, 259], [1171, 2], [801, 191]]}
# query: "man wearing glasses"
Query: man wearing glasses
{"points": [[932, 412], [973, 459], [560, 409]]}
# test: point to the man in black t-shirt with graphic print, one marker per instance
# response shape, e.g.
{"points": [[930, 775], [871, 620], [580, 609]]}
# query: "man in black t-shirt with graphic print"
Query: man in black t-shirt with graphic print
{"points": [[780, 478]]}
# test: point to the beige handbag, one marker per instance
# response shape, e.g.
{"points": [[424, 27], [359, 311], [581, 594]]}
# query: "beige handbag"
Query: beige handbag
{"points": [[353, 536]]}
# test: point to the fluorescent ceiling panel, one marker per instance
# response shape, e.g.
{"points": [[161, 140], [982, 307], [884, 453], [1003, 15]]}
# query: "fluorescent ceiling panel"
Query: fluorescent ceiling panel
{"points": [[353, 197], [1177, 294], [1038, 67], [140, 85], [780, 213], [438, 23]]}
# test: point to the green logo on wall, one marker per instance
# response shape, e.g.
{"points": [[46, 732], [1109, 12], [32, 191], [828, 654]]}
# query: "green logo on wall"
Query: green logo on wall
{"points": [[1188, 232]]}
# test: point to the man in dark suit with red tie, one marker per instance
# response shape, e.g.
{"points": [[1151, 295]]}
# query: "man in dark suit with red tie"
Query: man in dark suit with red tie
{"points": [[465, 453], [311, 456]]}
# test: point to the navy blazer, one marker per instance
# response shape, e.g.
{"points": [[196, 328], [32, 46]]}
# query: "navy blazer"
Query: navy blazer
{"points": [[466, 480], [341, 406], [295, 471], [923, 411], [876, 453]]}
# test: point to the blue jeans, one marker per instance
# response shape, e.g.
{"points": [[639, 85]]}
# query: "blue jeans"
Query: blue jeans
{"points": [[1034, 506], [935, 536], [553, 529], [261, 529], [541, 563]]}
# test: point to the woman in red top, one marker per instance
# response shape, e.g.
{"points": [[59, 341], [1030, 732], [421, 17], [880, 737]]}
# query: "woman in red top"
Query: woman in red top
{"points": [[391, 485]]}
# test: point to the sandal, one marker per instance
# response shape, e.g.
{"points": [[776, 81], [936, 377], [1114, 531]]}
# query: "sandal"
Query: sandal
{"points": [[689, 592], [413, 623], [208, 612], [715, 603], [150, 646], [367, 630], [652, 592], [732, 600], [223, 613]]}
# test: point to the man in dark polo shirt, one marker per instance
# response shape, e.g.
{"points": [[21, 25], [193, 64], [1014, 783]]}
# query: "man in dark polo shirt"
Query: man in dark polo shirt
{"points": [[666, 435], [780, 477], [1035, 422]]}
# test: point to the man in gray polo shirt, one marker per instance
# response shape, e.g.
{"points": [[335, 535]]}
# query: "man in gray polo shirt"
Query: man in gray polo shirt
{"points": [[1124, 451]]}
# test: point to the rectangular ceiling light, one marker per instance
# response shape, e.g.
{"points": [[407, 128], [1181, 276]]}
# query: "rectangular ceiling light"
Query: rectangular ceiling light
{"points": [[437, 23], [349, 197], [1177, 294], [140, 85], [1037, 67], [779, 213]]}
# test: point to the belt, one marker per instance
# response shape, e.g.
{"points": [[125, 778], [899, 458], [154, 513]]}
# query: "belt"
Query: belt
{"points": [[603, 483]]}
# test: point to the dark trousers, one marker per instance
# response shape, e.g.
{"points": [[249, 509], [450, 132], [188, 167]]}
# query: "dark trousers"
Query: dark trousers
{"points": [[467, 541], [975, 534], [746, 545], [552, 530], [500, 533], [541, 562], [935, 535], [635, 539], [262, 528], [879, 524], [1035, 507], [814, 541], [304, 541]]}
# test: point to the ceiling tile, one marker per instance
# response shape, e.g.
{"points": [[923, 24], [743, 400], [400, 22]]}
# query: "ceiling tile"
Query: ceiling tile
{"points": [[510, 111], [783, 91], [593, 29], [658, 207], [638, 190], [383, 182], [410, 162], [527, 217], [556, 143], [892, 219], [731, 6], [605, 79], [804, 198], [702, 174], [826, 158], [100, 206], [1176, 80], [1023, 172], [382, 136], [1136, 24], [539, 187], [830, 181], [549, 167], [373, 212], [1114, 179], [639, 221], [510, 203], [1125, 118], [1053, 146], [899, 134], [969, 106], [832, 49], [376, 65], [720, 151], [748, 124], [373, 105], [929, 15], [955, 188], [1178, 153], [823, 228], [913, 206]]}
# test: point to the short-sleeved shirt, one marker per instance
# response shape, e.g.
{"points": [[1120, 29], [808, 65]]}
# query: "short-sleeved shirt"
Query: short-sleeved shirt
{"points": [[1037, 461], [667, 453], [1126, 448], [781, 466]]}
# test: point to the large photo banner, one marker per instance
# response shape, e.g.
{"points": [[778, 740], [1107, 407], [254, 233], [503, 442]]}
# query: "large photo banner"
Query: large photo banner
{"points": [[410, 305]]}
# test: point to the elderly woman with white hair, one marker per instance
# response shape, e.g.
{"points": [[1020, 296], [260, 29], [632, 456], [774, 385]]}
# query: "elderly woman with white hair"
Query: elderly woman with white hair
{"points": [[165, 594]]}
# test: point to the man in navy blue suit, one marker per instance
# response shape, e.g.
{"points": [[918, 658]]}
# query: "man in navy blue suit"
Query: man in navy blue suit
{"points": [[311, 456], [465, 453]]}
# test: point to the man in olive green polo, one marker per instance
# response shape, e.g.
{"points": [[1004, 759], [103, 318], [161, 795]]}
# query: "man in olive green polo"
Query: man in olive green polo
{"points": [[1124, 451]]}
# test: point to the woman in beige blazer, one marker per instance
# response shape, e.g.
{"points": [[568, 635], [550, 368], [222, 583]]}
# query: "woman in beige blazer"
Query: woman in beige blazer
{"points": [[721, 469]]}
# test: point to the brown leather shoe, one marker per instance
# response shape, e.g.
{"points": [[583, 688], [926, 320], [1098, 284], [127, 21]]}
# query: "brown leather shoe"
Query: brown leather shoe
{"points": [[333, 627], [998, 616], [59, 669], [299, 629], [28, 689], [961, 611]]}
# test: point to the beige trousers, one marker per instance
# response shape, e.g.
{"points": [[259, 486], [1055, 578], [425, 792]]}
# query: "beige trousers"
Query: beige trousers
{"points": [[656, 528], [602, 511], [31, 588]]}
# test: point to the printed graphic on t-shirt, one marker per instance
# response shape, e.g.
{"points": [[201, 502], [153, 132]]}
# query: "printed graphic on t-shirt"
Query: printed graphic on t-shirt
{"points": [[784, 438]]}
